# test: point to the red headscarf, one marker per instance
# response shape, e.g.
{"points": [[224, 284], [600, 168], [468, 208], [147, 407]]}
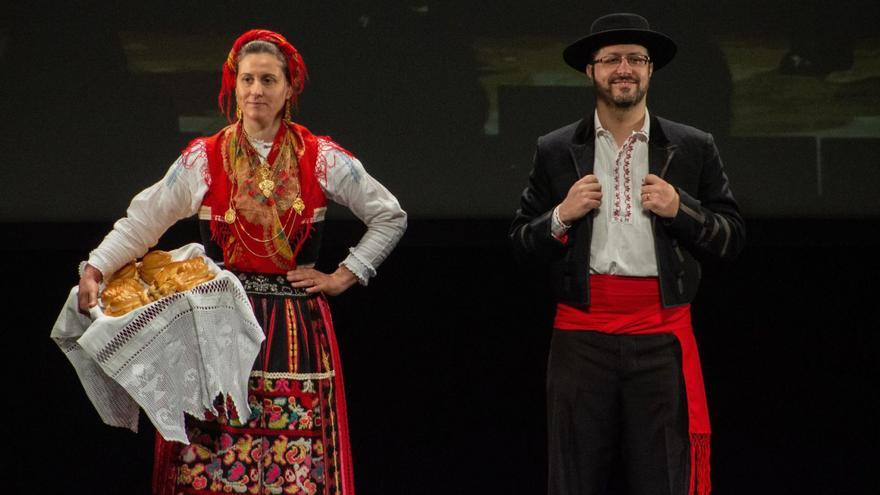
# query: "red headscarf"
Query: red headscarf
{"points": [[296, 68]]}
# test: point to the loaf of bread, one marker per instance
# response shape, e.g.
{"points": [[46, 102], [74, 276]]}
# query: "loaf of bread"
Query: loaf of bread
{"points": [[179, 276], [128, 271], [123, 295], [126, 290], [153, 262]]}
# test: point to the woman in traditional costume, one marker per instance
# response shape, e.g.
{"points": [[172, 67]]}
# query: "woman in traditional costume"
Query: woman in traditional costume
{"points": [[260, 188]]}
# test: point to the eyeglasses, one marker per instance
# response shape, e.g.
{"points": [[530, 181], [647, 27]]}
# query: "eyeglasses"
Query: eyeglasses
{"points": [[616, 60]]}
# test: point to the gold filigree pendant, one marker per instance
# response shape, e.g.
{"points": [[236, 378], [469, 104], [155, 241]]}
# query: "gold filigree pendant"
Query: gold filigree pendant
{"points": [[298, 205], [229, 217], [266, 185]]}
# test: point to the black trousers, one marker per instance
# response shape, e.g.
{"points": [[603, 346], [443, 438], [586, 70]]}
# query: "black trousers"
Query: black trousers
{"points": [[617, 415]]}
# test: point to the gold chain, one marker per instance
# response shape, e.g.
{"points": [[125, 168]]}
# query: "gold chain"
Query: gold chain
{"points": [[266, 186], [273, 253], [284, 227]]}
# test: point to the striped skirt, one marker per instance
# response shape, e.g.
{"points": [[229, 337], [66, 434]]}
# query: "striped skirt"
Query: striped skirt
{"points": [[295, 440]]}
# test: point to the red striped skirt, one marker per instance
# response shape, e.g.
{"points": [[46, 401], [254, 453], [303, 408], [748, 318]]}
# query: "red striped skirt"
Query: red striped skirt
{"points": [[295, 439]]}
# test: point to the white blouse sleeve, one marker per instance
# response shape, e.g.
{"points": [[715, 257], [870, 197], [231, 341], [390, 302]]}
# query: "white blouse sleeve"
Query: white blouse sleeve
{"points": [[178, 195], [348, 184]]}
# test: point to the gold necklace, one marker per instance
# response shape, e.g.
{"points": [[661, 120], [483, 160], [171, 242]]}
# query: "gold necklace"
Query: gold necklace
{"points": [[269, 255], [239, 227], [266, 185], [284, 227], [231, 217]]}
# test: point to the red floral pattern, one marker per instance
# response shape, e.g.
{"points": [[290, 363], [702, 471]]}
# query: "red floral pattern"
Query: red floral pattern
{"points": [[279, 449], [295, 437], [622, 212]]}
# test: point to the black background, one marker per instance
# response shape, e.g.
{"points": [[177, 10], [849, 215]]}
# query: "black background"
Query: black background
{"points": [[84, 127], [444, 352], [444, 357]]}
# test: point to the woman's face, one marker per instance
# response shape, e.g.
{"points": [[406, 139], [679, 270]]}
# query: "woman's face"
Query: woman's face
{"points": [[261, 88]]}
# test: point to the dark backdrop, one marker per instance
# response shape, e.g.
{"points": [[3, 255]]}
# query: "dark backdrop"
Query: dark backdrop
{"points": [[444, 357], [444, 352], [99, 98]]}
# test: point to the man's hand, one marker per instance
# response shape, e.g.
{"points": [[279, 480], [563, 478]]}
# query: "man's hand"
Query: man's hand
{"points": [[314, 281], [584, 196], [659, 196]]}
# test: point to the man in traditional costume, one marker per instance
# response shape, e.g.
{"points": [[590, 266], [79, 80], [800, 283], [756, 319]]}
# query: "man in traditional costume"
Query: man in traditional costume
{"points": [[260, 188], [620, 204]]}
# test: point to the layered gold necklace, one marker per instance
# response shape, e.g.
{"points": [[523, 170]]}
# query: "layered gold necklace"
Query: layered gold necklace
{"points": [[263, 187]]}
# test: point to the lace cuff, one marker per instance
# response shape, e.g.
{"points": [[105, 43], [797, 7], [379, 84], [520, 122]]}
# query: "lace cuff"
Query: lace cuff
{"points": [[359, 267], [557, 227]]}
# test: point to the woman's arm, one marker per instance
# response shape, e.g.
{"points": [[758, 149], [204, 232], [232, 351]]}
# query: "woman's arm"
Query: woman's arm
{"points": [[152, 211], [348, 184]]}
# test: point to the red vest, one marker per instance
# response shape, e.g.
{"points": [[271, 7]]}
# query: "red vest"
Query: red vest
{"points": [[245, 252]]}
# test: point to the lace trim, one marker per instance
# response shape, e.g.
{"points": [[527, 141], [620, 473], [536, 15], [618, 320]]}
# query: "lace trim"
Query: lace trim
{"points": [[68, 347], [218, 285], [129, 331], [260, 145], [274, 375], [149, 344], [362, 270]]}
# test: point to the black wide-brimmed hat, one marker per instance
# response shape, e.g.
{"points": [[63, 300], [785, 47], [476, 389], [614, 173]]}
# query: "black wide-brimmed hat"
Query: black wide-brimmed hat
{"points": [[620, 29]]}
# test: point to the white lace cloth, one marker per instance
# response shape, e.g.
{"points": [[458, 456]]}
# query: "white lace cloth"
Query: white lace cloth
{"points": [[171, 357]]}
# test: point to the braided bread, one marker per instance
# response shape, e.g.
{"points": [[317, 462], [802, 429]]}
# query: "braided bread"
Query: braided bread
{"points": [[179, 276], [153, 262], [128, 271], [123, 295], [163, 277]]}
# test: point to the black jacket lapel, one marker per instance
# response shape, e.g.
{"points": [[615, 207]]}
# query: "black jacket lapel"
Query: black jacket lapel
{"points": [[582, 148]]}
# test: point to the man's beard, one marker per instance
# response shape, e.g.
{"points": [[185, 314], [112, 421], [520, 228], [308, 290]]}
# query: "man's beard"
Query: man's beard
{"points": [[623, 100]]}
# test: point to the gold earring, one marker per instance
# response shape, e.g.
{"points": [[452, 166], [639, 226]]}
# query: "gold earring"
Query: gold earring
{"points": [[287, 110], [239, 114]]}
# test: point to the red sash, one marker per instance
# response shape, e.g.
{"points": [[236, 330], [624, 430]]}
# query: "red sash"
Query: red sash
{"points": [[631, 306]]}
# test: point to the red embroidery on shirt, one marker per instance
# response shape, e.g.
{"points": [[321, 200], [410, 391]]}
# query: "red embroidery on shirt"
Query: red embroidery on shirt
{"points": [[194, 153], [623, 182], [322, 165]]}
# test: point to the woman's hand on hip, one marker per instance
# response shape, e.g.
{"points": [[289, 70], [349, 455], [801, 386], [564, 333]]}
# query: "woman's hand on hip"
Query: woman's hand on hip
{"points": [[314, 281]]}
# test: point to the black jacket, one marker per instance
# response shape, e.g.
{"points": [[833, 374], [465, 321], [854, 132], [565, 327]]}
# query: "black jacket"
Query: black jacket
{"points": [[708, 221]]}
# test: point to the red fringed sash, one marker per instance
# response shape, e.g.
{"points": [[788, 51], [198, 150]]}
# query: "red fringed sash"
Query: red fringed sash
{"points": [[631, 306]]}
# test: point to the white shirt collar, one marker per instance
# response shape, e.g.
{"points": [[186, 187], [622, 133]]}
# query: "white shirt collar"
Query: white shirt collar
{"points": [[644, 132]]}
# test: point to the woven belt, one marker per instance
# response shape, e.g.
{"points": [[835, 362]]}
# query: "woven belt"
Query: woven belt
{"points": [[269, 284]]}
